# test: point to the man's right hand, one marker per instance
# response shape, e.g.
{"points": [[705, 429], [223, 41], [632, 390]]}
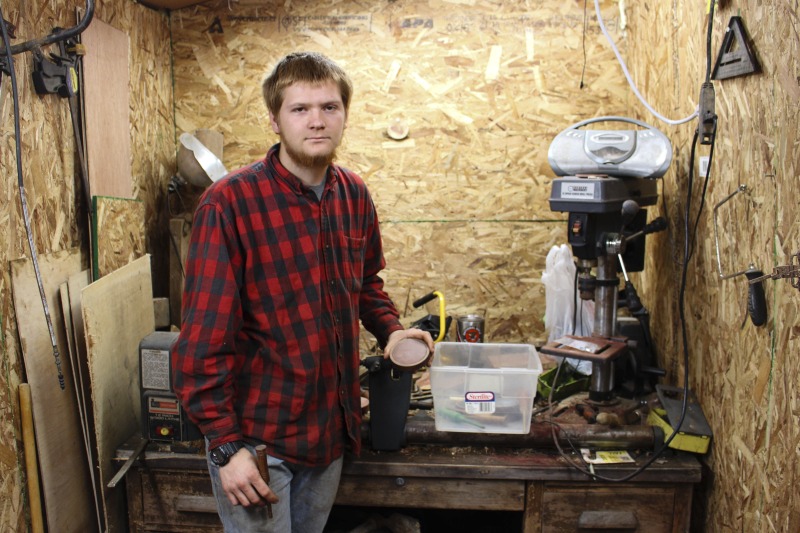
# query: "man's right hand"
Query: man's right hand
{"points": [[242, 481]]}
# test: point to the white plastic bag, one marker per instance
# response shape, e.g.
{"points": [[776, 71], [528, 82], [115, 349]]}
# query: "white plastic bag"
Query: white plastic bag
{"points": [[561, 298]]}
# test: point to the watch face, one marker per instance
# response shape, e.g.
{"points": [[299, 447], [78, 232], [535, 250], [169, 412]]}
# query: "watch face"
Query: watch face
{"points": [[218, 457], [221, 454]]}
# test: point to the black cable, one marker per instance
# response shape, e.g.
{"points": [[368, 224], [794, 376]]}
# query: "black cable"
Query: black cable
{"points": [[24, 201], [705, 182]]}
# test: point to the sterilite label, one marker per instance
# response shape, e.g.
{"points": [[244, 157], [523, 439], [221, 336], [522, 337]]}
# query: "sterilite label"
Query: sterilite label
{"points": [[479, 403]]}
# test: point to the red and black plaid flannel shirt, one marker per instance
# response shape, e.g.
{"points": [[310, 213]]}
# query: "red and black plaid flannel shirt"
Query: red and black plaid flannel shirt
{"points": [[276, 282]]}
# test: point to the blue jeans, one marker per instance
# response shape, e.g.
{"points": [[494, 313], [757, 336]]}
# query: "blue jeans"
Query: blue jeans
{"points": [[306, 496]]}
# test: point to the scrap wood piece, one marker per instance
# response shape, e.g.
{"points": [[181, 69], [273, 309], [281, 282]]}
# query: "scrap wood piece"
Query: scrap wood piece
{"points": [[106, 89], [117, 314], [31, 464], [62, 457]]}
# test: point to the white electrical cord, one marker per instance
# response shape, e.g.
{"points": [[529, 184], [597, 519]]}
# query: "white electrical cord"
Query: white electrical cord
{"points": [[628, 75]]}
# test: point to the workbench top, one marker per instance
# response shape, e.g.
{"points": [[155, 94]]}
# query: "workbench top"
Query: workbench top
{"points": [[450, 462]]}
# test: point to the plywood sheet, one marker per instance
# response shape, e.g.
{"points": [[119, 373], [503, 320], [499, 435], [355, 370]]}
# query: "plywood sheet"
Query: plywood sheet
{"points": [[59, 440], [106, 96], [73, 324], [117, 314]]}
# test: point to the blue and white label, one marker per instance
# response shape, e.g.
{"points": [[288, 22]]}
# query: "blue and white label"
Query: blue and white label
{"points": [[479, 403]]}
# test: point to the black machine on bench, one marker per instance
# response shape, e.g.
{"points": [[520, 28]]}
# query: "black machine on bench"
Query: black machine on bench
{"points": [[606, 178]]}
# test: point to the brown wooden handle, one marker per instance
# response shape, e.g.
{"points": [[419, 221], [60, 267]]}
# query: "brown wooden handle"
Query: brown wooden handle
{"points": [[608, 520], [31, 460], [261, 458]]}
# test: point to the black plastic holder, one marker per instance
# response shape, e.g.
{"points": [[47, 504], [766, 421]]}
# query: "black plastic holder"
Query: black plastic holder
{"points": [[389, 400]]}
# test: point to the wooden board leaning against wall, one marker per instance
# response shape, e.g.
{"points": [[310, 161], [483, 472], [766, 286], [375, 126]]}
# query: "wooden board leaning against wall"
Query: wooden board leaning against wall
{"points": [[483, 90]]}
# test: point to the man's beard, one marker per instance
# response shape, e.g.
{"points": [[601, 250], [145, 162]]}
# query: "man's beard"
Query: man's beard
{"points": [[306, 160]]}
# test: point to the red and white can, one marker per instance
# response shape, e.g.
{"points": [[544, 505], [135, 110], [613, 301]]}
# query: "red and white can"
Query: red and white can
{"points": [[469, 328]]}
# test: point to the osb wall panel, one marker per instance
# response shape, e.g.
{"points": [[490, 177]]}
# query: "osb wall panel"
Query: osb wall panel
{"points": [[484, 88], [54, 198], [747, 378]]}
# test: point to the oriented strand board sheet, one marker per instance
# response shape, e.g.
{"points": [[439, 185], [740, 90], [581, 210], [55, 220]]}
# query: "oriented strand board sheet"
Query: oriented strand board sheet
{"points": [[117, 233], [746, 378], [483, 88], [106, 94], [59, 440], [117, 314]]}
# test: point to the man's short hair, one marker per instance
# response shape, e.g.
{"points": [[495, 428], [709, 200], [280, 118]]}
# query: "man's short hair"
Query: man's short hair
{"points": [[304, 67]]}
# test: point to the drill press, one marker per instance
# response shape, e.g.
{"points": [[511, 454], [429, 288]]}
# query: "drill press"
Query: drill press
{"points": [[605, 179]]}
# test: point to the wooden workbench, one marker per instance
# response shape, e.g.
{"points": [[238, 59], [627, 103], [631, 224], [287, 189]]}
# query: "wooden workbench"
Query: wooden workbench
{"points": [[169, 491]]}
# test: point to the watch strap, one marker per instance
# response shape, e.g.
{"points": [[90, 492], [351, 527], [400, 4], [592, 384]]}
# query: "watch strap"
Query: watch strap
{"points": [[222, 453]]}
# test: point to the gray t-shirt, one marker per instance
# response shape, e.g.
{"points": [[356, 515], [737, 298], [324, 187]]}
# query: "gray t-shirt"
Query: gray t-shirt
{"points": [[318, 189]]}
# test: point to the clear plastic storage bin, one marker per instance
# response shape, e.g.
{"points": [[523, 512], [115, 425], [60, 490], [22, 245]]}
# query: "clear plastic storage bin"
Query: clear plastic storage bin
{"points": [[484, 388]]}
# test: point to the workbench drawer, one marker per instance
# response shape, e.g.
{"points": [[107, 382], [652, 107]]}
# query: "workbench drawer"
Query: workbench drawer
{"points": [[172, 501], [615, 507], [431, 493]]}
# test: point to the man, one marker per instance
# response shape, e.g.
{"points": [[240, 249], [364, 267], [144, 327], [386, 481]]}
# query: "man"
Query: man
{"points": [[283, 261]]}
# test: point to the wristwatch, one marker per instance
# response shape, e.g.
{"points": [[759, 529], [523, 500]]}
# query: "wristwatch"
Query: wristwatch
{"points": [[222, 453]]}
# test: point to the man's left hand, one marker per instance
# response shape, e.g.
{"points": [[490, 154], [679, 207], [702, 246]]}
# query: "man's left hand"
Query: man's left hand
{"points": [[413, 333]]}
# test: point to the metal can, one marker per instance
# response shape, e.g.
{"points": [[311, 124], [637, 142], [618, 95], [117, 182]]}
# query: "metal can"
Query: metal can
{"points": [[469, 328]]}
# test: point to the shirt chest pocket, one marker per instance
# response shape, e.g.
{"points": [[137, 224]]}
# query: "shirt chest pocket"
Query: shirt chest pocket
{"points": [[352, 260]]}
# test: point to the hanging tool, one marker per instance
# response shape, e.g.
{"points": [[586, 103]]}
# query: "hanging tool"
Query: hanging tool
{"points": [[58, 74], [756, 299], [722, 275], [261, 457], [792, 270], [736, 58]]}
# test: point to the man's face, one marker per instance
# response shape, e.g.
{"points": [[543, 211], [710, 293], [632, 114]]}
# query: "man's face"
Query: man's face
{"points": [[310, 124]]}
